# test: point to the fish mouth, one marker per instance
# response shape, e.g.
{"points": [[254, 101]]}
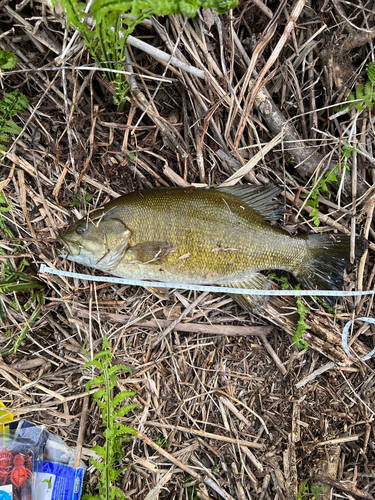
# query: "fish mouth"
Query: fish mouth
{"points": [[70, 248]]}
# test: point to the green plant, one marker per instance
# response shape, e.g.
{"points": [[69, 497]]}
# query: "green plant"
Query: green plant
{"points": [[326, 306], [301, 310], [329, 178], [192, 490], [3, 210], [86, 199], [115, 433], [364, 95], [12, 103], [15, 281], [282, 280], [115, 20], [303, 491], [301, 326], [161, 441], [8, 60]]}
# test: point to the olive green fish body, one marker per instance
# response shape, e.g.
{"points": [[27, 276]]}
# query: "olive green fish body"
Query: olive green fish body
{"points": [[198, 236]]}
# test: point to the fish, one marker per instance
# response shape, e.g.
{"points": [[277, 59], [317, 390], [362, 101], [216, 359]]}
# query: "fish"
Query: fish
{"points": [[216, 236]]}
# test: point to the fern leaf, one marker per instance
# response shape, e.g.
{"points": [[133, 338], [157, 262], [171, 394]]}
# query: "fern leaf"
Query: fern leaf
{"points": [[371, 72], [94, 381], [126, 409], [117, 368], [115, 493], [109, 433], [120, 397], [368, 90], [223, 6], [94, 362], [359, 92], [116, 472], [100, 466], [11, 128], [100, 394], [124, 430], [369, 94], [88, 496], [14, 102], [99, 450], [8, 60]]}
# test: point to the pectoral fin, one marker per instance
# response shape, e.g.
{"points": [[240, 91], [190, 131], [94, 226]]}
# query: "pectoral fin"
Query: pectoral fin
{"points": [[151, 252], [252, 303], [162, 293]]}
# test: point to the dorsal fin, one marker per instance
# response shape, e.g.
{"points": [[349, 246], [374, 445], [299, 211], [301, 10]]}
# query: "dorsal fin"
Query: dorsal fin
{"points": [[259, 198]]}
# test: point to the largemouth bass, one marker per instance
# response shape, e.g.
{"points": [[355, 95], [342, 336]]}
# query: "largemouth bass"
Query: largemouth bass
{"points": [[217, 236]]}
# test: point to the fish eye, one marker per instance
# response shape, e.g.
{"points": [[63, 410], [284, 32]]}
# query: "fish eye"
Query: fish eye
{"points": [[80, 230]]}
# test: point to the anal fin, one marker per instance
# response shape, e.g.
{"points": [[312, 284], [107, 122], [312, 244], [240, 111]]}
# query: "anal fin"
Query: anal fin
{"points": [[252, 303]]}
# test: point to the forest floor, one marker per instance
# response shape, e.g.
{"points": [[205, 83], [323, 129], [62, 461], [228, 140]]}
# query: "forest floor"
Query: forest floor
{"points": [[229, 406]]}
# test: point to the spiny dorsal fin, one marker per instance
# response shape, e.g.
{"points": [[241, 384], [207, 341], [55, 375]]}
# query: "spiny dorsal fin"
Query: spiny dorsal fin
{"points": [[259, 198]]}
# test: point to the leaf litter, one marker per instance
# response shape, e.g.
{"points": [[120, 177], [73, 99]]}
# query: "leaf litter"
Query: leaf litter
{"points": [[228, 406]]}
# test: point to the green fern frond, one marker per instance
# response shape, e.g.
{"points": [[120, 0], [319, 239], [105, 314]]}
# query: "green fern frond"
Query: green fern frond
{"points": [[126, 409], [8, 60], [100, 466], [115, 433], [118, 368], [14, 102], [11, 128], [99, 450], [125, 429], [369, 94], [94, 381], [120, 397], [371, 72], [115, 20]]}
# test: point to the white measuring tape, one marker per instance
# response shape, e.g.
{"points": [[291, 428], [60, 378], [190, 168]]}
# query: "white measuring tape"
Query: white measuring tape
{"points": [[205, 288], [345, 338], [223, 289]]}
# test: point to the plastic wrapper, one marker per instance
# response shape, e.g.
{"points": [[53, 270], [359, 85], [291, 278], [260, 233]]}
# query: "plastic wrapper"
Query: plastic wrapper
{"points": [[19, 453], [36, 465]]}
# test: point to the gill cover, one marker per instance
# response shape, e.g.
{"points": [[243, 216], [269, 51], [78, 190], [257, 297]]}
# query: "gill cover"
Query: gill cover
{"points": [[116, 240]]}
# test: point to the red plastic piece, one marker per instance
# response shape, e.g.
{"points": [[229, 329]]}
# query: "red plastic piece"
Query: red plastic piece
{"points": [[16, 470]]}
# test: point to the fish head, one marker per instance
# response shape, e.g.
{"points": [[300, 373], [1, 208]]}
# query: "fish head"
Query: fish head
{"points": [[101, 245]]}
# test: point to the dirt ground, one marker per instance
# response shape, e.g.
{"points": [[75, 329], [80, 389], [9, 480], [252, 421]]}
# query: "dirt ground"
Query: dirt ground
{"points": [[229, 406]]}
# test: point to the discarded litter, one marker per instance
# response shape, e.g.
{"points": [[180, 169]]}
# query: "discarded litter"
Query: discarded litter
{"points": [[36, 465]]}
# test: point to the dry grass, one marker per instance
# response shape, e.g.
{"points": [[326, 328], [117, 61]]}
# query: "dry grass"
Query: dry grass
{"points": [[224, 396]]}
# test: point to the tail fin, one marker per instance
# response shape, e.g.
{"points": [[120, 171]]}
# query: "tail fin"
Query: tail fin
{"points": [[328, 256]]}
